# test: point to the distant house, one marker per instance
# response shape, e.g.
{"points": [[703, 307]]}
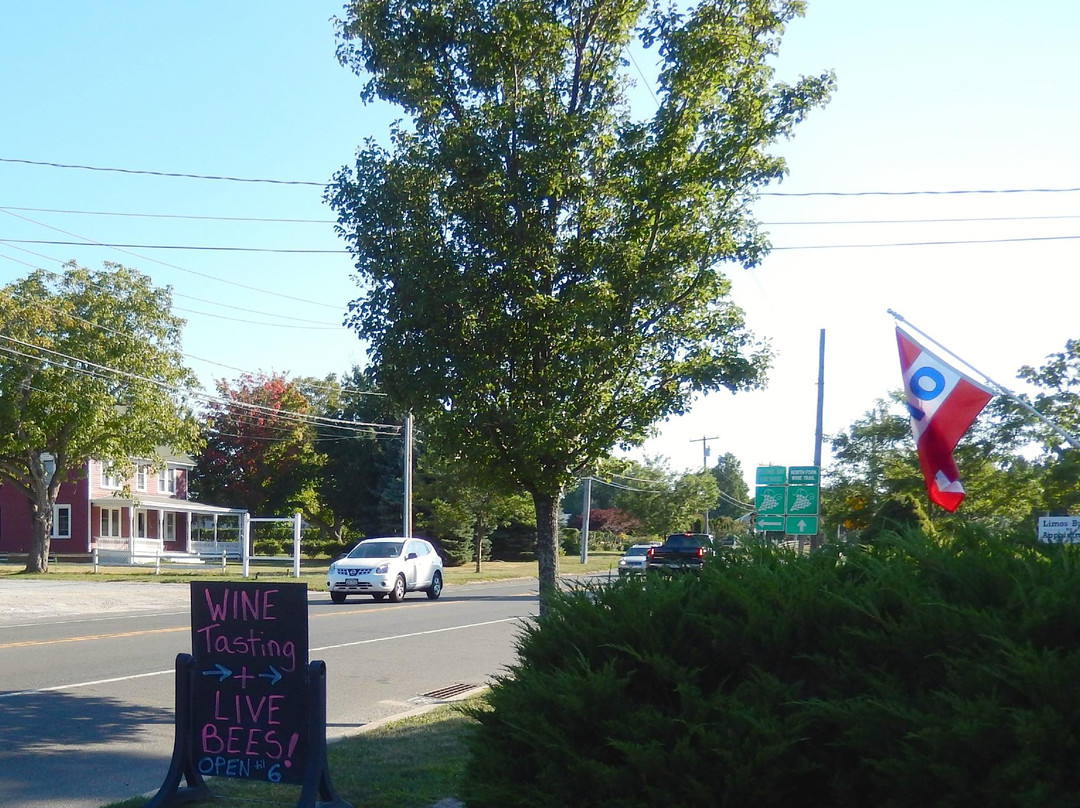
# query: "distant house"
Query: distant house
{"points": [[141, 517]]}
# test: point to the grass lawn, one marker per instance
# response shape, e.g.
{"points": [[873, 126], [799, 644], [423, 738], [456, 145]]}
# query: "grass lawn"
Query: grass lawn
{"points": [[411, 763], [312, 571]]}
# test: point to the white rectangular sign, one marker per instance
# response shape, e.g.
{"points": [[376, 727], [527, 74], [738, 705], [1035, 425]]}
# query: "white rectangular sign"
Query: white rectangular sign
{"points": [[1059, 529]]}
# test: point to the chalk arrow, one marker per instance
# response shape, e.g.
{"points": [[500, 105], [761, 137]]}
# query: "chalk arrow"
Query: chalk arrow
{"points": [[274, 676], [222, 672]]}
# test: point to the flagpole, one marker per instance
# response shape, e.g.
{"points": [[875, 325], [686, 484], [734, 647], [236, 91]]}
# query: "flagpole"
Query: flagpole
{"points": [[1000, 388]]}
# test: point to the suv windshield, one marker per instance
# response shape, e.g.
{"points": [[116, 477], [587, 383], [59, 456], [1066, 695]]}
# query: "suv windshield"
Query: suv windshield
{"points": [[376, 549]]}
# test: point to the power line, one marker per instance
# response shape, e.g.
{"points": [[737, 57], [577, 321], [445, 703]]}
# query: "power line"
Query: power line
{"points": [[161, 173], [174, 266], [170, 216], [921, 221], [195, 393], [201, 248], [272, 220], [955, 192], [926, 243], [793, 194], [317, 325]]}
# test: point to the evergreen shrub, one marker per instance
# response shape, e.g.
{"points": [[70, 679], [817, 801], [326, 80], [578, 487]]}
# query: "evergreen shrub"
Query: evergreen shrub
{"points": [[900, 675]]}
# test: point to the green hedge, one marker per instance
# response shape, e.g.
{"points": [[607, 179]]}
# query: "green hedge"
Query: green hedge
{"points": [[906, 675]]}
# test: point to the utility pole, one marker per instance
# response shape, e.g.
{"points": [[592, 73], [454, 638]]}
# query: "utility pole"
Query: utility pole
{"points": [[705, 467], [407, 478], [818, 436], [585, 514]]}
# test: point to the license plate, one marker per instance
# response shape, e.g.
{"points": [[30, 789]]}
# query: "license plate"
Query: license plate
{"points": [[351, 582]]}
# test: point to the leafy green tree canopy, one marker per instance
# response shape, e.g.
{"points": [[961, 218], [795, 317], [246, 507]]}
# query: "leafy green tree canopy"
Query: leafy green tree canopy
{"points": [[542, 269], [92, 370]]}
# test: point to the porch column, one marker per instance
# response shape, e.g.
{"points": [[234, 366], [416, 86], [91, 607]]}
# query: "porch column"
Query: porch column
{"points": [[189, 531]]}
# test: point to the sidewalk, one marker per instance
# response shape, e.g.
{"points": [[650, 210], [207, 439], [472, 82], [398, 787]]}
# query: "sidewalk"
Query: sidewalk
{"points": [[34, 600]]}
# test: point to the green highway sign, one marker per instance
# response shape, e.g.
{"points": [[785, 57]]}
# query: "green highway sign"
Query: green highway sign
{"points": [[769, 499], [801, 525], [769, 523], [804, 475], [771, 475], [802, 500]]}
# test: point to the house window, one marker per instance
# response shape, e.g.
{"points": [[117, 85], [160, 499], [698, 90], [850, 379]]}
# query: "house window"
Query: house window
{"points": [[61, 522], [109, 478], [49, 462], [140, 478], [110, 522], [170, 526], [167, 481]]}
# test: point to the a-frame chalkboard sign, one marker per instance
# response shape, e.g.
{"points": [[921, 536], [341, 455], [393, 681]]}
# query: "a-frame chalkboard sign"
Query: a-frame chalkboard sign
{"points": [[248, 703]]}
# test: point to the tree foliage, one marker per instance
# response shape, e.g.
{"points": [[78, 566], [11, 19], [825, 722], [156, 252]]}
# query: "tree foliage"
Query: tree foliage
{"points": [[258, 453], [92, 370], [542, 270], [735, 500]]}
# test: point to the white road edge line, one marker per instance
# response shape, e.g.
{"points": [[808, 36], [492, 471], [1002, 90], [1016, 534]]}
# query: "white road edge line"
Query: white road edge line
{"points": [[76, 685]]}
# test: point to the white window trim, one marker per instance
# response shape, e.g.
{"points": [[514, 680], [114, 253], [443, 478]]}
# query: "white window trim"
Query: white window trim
{"points": [[54, 534], [106, 520], [167, 481], [109, 478], [141, 474]]}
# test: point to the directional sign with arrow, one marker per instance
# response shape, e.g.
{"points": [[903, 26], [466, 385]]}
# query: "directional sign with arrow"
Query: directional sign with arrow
{"points": [[801, 525]]}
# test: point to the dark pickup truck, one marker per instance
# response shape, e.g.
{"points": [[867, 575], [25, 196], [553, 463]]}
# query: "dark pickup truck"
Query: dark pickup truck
{"points": [[680, 551]]}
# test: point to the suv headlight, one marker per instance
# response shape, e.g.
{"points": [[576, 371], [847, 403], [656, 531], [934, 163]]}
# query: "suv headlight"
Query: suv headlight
{"points": [[382, 569], [332, 570]]}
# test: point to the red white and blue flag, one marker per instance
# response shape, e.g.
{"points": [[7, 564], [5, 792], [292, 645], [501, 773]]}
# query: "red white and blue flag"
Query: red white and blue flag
{"points": [[943, 403]]}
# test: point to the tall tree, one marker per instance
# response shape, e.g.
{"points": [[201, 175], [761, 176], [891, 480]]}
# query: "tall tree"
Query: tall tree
{"points": [[92, 370], [462, 512], [258, 450], [735, 500], [542, 269], [363, 475]]}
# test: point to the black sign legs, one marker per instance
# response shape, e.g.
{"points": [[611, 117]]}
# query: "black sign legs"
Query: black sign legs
{"points": [[318, 781], [317, 791], [182, 766]]}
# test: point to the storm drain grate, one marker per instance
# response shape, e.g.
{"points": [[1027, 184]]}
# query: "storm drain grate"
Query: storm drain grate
{"points": [[447, 692]]}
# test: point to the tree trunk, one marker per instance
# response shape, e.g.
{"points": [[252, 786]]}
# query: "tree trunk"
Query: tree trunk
{"points": [[547, 544], [40, 530]]}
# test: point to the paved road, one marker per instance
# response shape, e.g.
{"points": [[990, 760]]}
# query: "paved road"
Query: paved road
{"points": [[86, 674]]}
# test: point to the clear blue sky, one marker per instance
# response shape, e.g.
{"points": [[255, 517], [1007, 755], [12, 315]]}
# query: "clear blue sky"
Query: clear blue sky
{"points": [[931, 96]]}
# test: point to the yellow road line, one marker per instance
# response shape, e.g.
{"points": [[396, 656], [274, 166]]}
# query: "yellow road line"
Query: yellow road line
{"points": [[29, 643]]}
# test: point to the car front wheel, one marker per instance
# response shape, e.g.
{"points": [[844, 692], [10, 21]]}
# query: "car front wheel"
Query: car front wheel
{"points": [[378, 595], [337, 597], [398, 592], [435, 589]]}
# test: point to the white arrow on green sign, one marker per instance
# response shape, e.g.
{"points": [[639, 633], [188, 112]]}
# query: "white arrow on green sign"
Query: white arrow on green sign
{"points": [[801, 525], [763, 523]]}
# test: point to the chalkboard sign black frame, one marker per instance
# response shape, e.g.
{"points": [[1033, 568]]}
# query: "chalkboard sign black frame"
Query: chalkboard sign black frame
{"points": [[248, 703]]}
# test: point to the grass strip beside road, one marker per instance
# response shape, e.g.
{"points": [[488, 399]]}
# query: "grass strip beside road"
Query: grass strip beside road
{"points": [[414, 762], [312, 571]]}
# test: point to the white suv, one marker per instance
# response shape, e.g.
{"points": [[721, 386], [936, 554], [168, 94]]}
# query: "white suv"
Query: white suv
{"points": [[634, 558], [390, 566]]}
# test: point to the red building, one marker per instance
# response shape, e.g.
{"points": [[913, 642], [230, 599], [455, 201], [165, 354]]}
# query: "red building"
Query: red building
{"points": [[140, 518]]}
